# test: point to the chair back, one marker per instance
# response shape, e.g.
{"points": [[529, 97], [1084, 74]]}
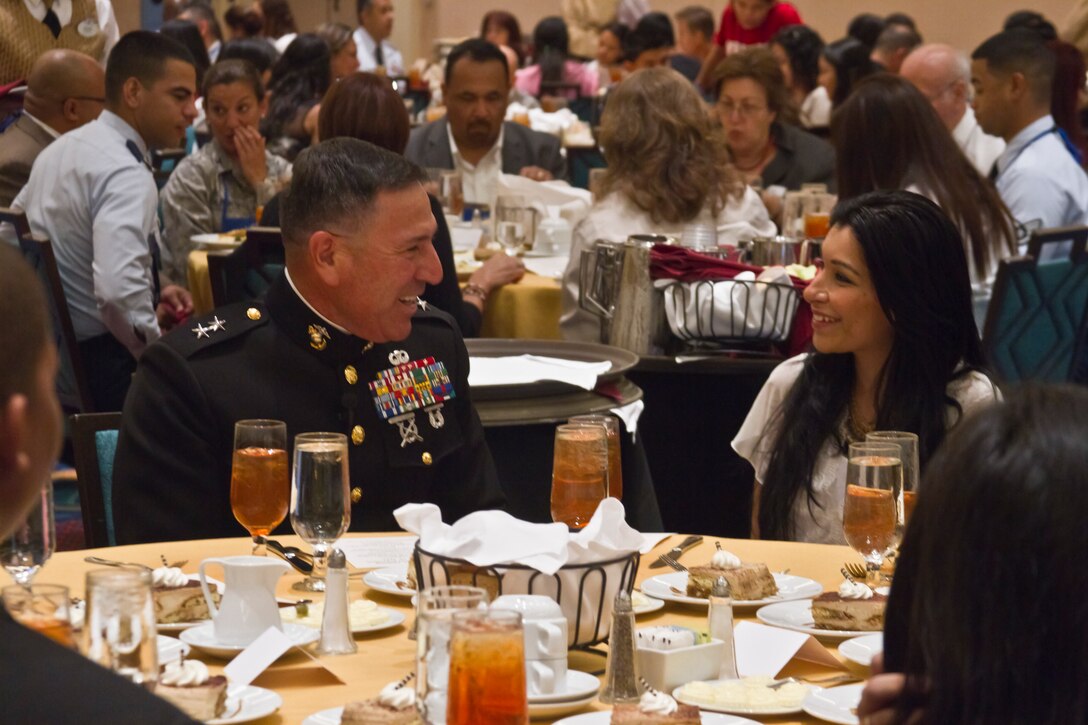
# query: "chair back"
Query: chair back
{"points": [[246, 272], [94, 443], [72, 388], [163, 163], [1036, 318]]}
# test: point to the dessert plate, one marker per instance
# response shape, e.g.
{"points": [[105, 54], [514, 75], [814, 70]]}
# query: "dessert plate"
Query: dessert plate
{"points": [[203, 638], [325, 717], [540, 710], [248, 703], [393, 618], [835, 705], [579, 686], [790, 588], [717, 707], [170, 649], [642, 604], [385, 580], [604, 718], [798, 617], [862, 649], [180, 626]]}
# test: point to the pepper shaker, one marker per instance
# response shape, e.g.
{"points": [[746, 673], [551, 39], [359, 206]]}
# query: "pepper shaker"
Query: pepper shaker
{"points": [[621, 683], [336, 636]]}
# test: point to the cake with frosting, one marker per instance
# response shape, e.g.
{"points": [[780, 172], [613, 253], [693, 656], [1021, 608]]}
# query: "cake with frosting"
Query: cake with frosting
{"points": [[178, 598], [655, 708], [854, 607], [394, 705], [190, 688], [746, 581]]}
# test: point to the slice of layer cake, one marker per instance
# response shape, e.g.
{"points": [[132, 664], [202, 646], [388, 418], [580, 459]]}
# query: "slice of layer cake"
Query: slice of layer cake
{"points": [[855, 607], [188, 686], [655, 708], [395, 705], [178, 598], [746, 581]]}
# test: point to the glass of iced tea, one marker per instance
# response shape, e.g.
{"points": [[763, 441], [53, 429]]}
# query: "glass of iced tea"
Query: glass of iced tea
{"points": [[487, 669], [260, 487], [908, 456], [579, 473], [43, 608], [435, 608], [615, 459], [874, 484]]}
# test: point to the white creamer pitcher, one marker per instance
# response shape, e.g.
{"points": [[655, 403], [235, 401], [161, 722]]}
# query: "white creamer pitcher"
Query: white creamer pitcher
{"points": [[248, 605]]}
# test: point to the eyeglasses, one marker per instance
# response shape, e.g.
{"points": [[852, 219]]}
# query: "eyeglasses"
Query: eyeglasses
{"points": [[96, 99], [744, 110]]}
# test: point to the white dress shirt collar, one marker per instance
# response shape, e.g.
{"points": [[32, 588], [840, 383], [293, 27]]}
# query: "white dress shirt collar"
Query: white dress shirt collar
{"points": [[62, 9], [1021, 140], [42, 124], [287, 274], [479, 180]]}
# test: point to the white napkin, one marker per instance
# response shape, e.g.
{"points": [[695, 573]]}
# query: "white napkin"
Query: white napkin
{"points": [[630, 414], [521, 369]]}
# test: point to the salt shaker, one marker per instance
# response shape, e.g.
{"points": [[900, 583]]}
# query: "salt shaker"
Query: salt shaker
{"points": [[336, 636], [720, 624], [621, 683]]}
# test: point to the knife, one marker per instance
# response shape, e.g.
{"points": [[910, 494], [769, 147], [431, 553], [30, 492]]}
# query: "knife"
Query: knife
{"points": [[676, 551]]}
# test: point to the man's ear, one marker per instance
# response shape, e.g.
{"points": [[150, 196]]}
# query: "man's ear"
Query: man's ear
{"points": [[132, 92], [13, 458], [1017, 85], [69, 110], [323, 251]]}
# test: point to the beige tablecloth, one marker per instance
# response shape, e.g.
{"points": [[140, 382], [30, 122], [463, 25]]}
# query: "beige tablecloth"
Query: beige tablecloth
{"points": [[387, 656]]}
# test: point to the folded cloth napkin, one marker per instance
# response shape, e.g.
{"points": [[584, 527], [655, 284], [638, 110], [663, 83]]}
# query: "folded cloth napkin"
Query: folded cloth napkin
{"points": [[487, 538], [745, 306], [521, 369]]}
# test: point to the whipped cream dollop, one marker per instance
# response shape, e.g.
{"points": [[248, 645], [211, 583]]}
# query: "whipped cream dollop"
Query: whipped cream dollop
{"points": [[397, 696], [723, 559], [189, 673], [657, 702], [169, 576], [854, 590]]}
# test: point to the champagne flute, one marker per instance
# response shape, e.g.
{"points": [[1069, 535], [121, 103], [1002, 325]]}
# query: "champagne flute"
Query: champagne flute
{"points": [[259, 485], [908, 456], [320, 502], [579, 473], [874, 483], [27, 549]]}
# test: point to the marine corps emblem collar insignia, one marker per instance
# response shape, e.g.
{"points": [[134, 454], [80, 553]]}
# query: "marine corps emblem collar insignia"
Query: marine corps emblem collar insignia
{"points": [[319, 337]]}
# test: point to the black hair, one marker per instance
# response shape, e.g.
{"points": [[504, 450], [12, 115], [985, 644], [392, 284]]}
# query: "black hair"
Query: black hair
{"points": [[897, 37], [919, 271], [697, 19], [1031, 20], [1020, 51], [987, 613], [186, 33], [850, 59], [257, 51], [203, 11], [299, 79], [551, 48], [226, 72], [656, 28], [337, 181], [899, 18], [803, 45], [477, 50], [866, 28], [141, 54]]}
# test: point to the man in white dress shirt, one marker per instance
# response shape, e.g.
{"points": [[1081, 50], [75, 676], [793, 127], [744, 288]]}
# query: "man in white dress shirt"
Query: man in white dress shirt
{"points": [[1038, 176], [203, 17], [371, 38], [92, 194], [943, 75]]}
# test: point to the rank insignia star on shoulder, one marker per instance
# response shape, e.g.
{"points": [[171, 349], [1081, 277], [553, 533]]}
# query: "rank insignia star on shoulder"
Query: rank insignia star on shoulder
{"points": [[422, 303], [201, 331]]}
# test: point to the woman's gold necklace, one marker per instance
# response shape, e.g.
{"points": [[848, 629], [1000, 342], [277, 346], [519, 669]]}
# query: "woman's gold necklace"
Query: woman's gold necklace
{"points": [[857, 429]]}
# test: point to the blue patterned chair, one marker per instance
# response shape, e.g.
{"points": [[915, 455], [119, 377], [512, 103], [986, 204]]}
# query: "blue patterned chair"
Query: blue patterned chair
{"points": [[94, 443]]}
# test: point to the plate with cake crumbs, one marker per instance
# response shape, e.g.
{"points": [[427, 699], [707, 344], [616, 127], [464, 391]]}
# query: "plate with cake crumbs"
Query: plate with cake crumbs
{"points": [[247, 703], [673, 588], [364, 616], [325, 717], [642, 604], [863, 649], [745, 696], [797, 616], [391, 580], [604, 718], [835, 704]]}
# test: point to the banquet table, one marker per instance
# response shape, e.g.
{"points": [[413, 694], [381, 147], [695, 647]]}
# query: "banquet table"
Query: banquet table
{"points": [[387, 656]]}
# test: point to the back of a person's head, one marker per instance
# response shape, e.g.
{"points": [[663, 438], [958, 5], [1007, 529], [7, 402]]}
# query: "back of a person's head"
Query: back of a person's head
{"points": [[897, 37], [255, 50], [203, 11], [551, 34], [365, 106], [1020, 51], [850, 59], [865, 28], [698, 19], [476, 50], [656, 30], [899, 18], [278, 18], [759, 65], [987, 613], [247, 21], [1031, 20], [803, 45], [337, 35], [141, 54]]}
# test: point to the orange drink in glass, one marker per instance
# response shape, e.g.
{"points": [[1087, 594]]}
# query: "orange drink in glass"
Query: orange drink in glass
{"points": [[43, 608], [260, 487], [615, 459], [579, 473], [874, 484], [487, 669]]}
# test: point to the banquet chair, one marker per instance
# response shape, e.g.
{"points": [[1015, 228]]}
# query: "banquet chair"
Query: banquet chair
{"points": [[94, 442], [1036, 318], [72, 388], [246, 272], [163, 163]]}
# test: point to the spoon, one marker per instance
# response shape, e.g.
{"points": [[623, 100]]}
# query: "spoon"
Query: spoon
{"points": [[111, 562], [292, 555]]}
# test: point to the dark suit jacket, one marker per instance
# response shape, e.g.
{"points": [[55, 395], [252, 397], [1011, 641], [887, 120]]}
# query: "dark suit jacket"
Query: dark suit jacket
{"points": [[429, 146], [802, 158], [20, 144]]}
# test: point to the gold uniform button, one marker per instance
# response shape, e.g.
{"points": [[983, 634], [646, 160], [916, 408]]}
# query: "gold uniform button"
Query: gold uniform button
{"points": [[427, 459], [351, 375], [253, 313], [358, 435], [356, 495]]}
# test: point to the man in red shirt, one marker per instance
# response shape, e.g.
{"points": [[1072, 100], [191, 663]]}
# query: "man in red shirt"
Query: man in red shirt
{"points": [[745, 23]]}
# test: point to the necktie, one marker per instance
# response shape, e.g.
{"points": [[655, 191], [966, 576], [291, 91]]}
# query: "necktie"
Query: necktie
{"points": [[379, 58], [51, 20]]}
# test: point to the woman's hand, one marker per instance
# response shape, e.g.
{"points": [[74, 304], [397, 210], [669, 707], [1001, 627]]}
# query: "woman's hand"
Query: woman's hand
{"points": [[880, 696], [499, 269], [250, 145]]}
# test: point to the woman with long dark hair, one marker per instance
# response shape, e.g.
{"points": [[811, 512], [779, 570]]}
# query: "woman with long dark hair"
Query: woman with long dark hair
{"points": [[887, 136], [553, 64], [895, 348], [842, 65], [502, 28], [299, 80], [797, 49], [987, 618]]}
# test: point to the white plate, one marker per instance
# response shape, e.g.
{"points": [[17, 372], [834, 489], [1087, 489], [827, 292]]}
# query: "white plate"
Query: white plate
{"points": [[579, 685], [541, 710], [862, 649], [835, 704], [203, 638], [325, 717], [249, 703], [393, 619], [798, 617], [652, 605], [181, 626], [714, 707], [790, 588], [213, 241], [385, 580], [170, 649], [604, 718]]}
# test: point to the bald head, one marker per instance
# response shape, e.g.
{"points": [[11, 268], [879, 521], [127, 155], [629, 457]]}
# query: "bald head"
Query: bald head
{"points": [[65, 89], [943, 75]]}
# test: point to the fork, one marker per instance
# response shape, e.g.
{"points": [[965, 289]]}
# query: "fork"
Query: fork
{"points": [[834, 680], [855, 570], [673, 563]]}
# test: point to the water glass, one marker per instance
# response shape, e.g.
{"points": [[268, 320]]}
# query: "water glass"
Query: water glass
{"points": [[615, 459], [579, 473], [515, 224], [320, 502], [435, 609], [119, 626], [43, 608], [27, 549], [487, 669], [874, 483], [259, 484], [908, 456]]}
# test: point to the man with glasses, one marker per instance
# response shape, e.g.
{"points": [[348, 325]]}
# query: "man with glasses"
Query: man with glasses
{"points": [[65, 90], [943, 75]]}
